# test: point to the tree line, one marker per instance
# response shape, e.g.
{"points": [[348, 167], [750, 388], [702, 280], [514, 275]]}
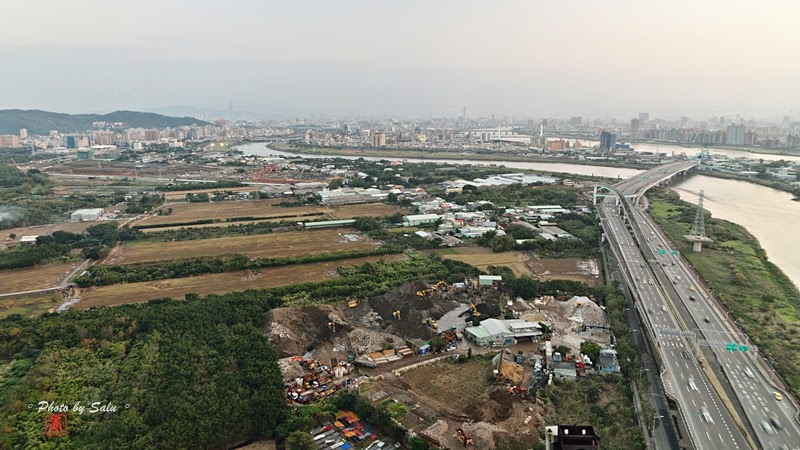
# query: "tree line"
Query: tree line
{"points": [[102, 275]]}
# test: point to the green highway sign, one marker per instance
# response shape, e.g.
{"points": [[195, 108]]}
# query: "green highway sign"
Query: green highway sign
{"points": [[743, 348], [661, 251], [731, 347], [674, 253]]}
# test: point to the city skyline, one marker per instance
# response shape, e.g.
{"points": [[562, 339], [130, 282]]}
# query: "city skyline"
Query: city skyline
{"points": [[412, 59]]}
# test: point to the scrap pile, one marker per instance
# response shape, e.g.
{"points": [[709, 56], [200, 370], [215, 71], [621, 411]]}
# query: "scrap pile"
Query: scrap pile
{"points": [[318, 380]]}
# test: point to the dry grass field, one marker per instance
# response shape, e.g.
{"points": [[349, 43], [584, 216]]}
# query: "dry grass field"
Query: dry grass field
{"points": [[272, 245], [482, 258], [29, 306], [521, 263], [39, 277], [192, 212], [216, 283], [587, 271]]}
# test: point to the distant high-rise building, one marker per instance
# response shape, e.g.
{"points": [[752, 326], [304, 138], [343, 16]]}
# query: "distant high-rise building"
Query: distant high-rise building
{"points": [[9, 141], [23, 133], [735, 134], [644, 117], [634, 127], [750, 138], [379, 139], [73, 141], [576, 121], [104, 137], [608, 141]]}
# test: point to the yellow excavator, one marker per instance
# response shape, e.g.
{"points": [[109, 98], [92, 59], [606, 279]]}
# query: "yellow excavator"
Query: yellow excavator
{"points": [[432, 323], [431, 289], [475, 312]]}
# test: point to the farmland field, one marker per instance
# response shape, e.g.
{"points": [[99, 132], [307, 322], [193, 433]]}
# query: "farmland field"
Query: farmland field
{"points": [[522, 263], [39, 277], [217, 283], [183, 213], [271, 245], [482, 258]]}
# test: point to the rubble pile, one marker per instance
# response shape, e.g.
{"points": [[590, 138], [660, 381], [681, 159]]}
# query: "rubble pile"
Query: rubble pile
{"points": [[360, 340], [294, 331], [584, 311]]}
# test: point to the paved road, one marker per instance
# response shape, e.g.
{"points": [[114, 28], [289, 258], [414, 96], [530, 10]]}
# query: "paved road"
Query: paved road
{"points": [[773, 421], [706, 417], [675, 299]]}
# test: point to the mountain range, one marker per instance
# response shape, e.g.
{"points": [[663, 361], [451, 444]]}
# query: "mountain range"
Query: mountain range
{"points": [[41, 122]]}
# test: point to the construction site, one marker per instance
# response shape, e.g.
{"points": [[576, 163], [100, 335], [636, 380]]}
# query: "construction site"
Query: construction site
{"points": [[420, 345]]}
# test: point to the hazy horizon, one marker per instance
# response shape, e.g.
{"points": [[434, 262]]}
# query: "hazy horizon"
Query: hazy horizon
{"points": [[411, 58]]}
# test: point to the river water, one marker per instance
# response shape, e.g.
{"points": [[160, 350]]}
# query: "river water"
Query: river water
{"points": [[770, 215], [600, 171]]}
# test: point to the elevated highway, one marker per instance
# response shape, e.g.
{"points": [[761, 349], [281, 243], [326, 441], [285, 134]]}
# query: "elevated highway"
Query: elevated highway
{"points": [[725, 396]]}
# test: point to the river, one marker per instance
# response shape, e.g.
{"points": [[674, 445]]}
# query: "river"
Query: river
{"points": [[691, 151], [612, 172], [768, 214]]}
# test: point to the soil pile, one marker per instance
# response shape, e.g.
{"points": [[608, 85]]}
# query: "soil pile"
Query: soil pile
{"points": [[494, 406], [294, 331], [378, 312]]}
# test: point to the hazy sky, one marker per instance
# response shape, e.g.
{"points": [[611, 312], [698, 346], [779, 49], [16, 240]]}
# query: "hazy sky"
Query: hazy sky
{"points": [[404, 57]]}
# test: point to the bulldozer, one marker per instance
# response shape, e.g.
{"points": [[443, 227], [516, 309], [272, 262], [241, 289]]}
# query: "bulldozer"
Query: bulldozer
{"points": [[463, 437], [352, 303], [396, 314]]}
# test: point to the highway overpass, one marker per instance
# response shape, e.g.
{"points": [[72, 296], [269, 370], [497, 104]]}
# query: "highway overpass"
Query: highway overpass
{"points": [[723, 388]]}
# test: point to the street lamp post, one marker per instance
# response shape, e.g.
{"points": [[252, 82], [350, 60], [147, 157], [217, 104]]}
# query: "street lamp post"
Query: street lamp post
{"points": [[653, 429], [640, 374]]}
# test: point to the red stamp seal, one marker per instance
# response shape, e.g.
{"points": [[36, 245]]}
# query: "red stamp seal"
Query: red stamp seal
{"points": [[55, 425]]}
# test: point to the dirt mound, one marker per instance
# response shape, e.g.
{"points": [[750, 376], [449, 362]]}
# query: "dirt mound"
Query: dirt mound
{"points": [[378, 312], [494, 406], [294, 331], [488, 310]]}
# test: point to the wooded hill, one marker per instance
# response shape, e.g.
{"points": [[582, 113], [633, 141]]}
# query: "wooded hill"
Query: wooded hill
{"points": [[41, 122]]}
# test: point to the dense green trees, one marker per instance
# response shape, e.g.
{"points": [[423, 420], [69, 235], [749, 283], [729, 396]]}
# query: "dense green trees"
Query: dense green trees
{"points": [[144, 203], [591, 349], [94, 244], [194, 374]]}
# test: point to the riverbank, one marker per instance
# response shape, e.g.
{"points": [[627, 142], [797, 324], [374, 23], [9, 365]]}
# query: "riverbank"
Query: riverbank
{"points": [[759, 296], [494, 157], [781, 186], [750, 150]]}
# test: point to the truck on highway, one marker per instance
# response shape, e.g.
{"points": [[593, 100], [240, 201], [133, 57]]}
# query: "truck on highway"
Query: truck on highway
{"points": [[691, 288]]}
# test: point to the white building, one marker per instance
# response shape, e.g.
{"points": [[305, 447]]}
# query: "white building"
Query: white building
{"points": [[86, 215], [735, 134], [419, 219]]}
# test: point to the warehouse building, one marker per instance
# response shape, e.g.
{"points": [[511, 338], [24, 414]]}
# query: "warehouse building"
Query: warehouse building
{"points": [[419, 219], [86, 215], [497, 332]]}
